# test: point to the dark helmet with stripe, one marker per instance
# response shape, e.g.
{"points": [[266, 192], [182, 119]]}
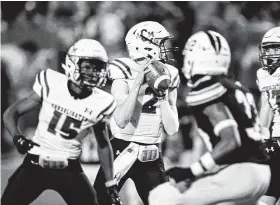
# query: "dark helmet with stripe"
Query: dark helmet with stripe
{"points": [[206, 53]]}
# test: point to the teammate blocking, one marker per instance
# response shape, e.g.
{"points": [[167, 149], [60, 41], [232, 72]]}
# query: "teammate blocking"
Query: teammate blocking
{"points": [[70, 104], [234, 168]]}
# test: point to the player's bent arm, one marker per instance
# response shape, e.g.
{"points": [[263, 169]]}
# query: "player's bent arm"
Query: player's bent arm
{"points": [[225, 127], [169, 113], [266, 113], [126, 101], [16, 110], [104, 149]]}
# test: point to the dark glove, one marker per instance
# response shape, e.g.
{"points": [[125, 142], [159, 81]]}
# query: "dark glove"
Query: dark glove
{"points": [[114, 195], [181, 174], [159, 94], [23, 144], [272, 147]]}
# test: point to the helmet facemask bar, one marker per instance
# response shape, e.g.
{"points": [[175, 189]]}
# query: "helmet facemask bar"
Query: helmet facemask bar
{"points": [[92, 71], [167, 51], [269, 56], [164, 52]]}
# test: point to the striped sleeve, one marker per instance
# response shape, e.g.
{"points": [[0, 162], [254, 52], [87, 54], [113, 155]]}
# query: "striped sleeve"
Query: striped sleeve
{"points": [[41, 86], [118, 69], [205, 94]]}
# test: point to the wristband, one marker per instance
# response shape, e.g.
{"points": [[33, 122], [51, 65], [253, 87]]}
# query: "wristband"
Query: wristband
{"points": [[111, 183], [208, 161], [205, 163], [197, 169]]}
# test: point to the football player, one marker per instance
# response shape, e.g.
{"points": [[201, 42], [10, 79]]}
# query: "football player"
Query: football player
{"points": [[234, 168], [143, 114], [70, 104], [268, 80]]}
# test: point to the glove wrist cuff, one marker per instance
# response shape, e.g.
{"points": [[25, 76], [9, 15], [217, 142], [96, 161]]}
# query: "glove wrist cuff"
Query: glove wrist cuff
{"points": [[205, 163], [111, 183]]}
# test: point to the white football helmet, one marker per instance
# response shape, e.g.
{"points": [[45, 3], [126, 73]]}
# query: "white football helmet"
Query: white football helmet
{"points": [[94, 52], [269, 50], [147, 40], [206, 53]]}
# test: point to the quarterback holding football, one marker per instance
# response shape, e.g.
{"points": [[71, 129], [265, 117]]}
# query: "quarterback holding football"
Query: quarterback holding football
{"points": [[70, 104], [145, 89]]}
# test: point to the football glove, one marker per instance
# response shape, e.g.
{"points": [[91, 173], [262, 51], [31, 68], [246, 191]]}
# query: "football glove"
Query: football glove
{"points": [[272, 147], [114, 195], [23, 144], [181, 174]]}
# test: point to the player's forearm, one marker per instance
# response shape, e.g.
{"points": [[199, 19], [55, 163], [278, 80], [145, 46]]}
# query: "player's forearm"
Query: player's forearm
{"points": [[106, 161], [125, 110], [222, 149], [266, 114], [10, 119], [169, 118]]}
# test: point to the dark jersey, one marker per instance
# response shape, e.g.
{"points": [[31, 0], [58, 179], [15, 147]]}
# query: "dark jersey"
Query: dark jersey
{"points": [[240, 106]]}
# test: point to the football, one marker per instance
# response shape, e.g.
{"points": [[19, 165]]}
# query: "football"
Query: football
{"points": [[158, 77]]}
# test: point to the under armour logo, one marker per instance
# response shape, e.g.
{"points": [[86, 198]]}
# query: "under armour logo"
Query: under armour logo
{"points": [[271, 149], [129, 150], [88, 111]]}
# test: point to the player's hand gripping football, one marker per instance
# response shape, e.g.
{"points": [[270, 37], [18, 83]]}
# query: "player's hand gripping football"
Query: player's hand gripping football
{"points": [[181, 174], [114, 195], [23, 144], [140, 78]]}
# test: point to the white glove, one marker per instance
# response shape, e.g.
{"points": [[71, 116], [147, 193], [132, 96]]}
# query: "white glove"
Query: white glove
{"points": [[164, 194]]}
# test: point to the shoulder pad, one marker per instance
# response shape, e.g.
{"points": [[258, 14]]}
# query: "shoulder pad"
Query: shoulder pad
{"points": [[174, 76], [205, 90], [266, 82], [123, 68]]}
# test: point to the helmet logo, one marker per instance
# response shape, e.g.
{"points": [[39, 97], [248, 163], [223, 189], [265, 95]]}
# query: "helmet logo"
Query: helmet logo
{"points": [[216, 43], [146, 35]]}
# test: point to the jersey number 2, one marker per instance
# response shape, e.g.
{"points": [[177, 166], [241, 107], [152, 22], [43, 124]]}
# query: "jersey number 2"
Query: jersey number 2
{"points": [[69, 127]]}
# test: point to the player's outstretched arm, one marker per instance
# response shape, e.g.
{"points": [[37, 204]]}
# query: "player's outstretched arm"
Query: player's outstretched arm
{"points": [[225, 127], [169, 113], [16, 110], [105, 153], [11, 117]]}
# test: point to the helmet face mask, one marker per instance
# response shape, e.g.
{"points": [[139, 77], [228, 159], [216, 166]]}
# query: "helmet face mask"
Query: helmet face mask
{"points": [[92, 72], [86, 64], [269, 50], [269, 56]]}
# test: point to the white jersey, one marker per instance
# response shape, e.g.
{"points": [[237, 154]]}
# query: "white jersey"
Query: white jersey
{"points": [[62, 117], [145, 125], [270, 84]]}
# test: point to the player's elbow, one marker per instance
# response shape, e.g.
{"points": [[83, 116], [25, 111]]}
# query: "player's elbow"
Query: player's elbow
{"points": [[7, 116], [121, 123], [172, 130]]}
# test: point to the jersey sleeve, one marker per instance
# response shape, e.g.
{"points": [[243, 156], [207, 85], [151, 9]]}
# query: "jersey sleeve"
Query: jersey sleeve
{"points": [[174, 76], [204, 91], [109, 108], [41, 86]]}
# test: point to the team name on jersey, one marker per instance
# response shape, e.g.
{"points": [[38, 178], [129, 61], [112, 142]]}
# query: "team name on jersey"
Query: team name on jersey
{"points": [[69, 113]]}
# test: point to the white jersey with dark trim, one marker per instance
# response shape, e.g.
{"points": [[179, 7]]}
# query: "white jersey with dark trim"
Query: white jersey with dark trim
{"points": [[145, 125], [239, 105], [270, 85], [126, 68], [62, 118]]}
